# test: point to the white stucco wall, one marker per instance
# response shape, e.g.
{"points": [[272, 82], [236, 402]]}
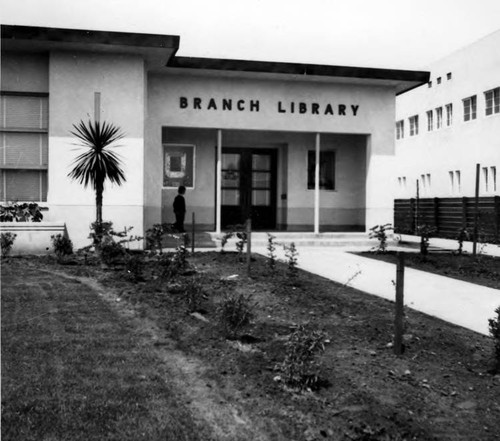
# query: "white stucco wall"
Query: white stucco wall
{"points": [[373, 116], [73, 80], [474, 70]]}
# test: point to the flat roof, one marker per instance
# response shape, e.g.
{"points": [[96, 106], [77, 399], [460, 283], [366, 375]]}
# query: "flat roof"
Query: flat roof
{"points": [[159, 52]]}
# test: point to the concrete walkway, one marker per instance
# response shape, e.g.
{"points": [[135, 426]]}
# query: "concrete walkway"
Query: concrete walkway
{"points": [[462, 303]]}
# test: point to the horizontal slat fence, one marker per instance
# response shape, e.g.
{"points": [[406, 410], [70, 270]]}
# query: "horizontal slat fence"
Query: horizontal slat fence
{"points": [[448, 216]]}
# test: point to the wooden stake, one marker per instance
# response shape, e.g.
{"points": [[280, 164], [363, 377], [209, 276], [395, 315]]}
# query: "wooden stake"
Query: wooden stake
{"points": [[249, 245], [399, 307], [476, 211]]}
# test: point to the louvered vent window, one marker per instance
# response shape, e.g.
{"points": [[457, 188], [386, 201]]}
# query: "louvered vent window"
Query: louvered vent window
{"points": [[24, 147]]}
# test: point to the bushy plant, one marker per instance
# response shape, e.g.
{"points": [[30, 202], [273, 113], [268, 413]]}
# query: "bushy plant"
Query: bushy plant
{"points": [[299, 368], [135, 268], [379, 232], [291, 255], [62, 245], [234, 313], [271, 252], [6, 242], [194, 294], [462, 236], [494, 327], [155, 236], [111, 251], [180, 257], [25, 212], [238, 231], [425, 232]]}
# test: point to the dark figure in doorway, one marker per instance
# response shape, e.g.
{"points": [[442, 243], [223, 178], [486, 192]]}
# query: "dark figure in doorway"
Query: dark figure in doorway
{"points": [[180, 209]]}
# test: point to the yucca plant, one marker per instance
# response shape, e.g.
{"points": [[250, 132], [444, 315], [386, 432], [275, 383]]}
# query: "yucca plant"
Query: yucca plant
{"points": [[97, 164]]}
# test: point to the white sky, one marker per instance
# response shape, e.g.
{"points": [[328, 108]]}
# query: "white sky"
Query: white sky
{"points": [[403, 34]]}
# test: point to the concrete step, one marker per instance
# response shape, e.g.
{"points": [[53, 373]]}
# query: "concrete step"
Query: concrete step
{"points": [[260, 239]]}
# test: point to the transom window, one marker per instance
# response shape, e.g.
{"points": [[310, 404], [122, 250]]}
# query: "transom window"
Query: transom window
{"points": [[470, 108], [492, 98], [24, 120]]}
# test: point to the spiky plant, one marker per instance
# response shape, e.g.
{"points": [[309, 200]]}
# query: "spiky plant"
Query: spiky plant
{"points": [[97, 164]]}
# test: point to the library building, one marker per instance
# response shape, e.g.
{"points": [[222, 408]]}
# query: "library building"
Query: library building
{"points": [[295, 147]]}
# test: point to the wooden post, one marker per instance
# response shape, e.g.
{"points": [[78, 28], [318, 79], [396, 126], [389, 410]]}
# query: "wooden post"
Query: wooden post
{"points": [[464, 212], [399, 307], [97, 106], [476, 210], [317, 147], [436, 214], [417, 202], [192, 233], [496, 201], [249, 245]]}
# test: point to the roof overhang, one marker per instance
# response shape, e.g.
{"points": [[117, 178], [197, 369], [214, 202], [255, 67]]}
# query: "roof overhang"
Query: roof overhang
{"points": [[155, 49], [401, 80], [159, 52]]}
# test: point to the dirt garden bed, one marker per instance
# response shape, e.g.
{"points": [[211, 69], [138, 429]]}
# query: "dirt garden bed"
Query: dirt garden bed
{"points": [[442, 388]]}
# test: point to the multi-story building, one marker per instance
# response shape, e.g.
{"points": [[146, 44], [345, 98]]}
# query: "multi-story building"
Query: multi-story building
{"points": [[446, 127]]}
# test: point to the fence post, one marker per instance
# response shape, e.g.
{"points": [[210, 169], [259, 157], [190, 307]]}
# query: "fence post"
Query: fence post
{"points": [[476, 211], [436, 214], [496, 207], [192, 233], [464, 212], [399, 307], [249, 245]]}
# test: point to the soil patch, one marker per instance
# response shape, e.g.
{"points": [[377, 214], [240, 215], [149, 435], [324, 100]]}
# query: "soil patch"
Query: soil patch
{"points": [[440, 389]]}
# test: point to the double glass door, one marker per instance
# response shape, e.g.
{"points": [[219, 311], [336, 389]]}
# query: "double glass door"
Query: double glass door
{"points": [[249, 187]]}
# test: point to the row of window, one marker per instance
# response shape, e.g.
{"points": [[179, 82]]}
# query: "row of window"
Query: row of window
{"points": [[488, 182], [435, 116], [24, 123], [438, 79]]}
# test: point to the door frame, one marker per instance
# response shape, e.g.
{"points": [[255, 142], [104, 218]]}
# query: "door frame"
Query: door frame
{"points": [[249, 151]]}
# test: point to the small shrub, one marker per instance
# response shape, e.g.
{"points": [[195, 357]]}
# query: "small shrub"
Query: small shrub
{"points": [[235, 313], [180, 257], [494, 326], [6, 242], [379, 232], [194, 294], [111, 251], [271, 252], [300, 369], [155, 235], [25, 212], [291, 254], [223, 241], [62, 245], [462, 236], [135, 268], [425, 232]]}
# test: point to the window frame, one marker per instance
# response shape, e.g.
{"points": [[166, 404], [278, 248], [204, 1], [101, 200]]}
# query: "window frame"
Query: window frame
{"points": [[470, 108], [413, 122], [492, 105], [400, 129], [449, 114], [430, 120], [42, 130], [310, 185]]}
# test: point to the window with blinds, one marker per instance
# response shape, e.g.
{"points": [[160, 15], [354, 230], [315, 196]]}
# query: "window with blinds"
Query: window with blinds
{"points": [[24, 122]]}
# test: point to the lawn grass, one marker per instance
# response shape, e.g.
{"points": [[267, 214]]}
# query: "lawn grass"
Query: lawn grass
{"points": [[72, 369]]}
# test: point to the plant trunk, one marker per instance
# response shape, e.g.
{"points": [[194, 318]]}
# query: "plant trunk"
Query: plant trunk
{"points": [[98, 212]]}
